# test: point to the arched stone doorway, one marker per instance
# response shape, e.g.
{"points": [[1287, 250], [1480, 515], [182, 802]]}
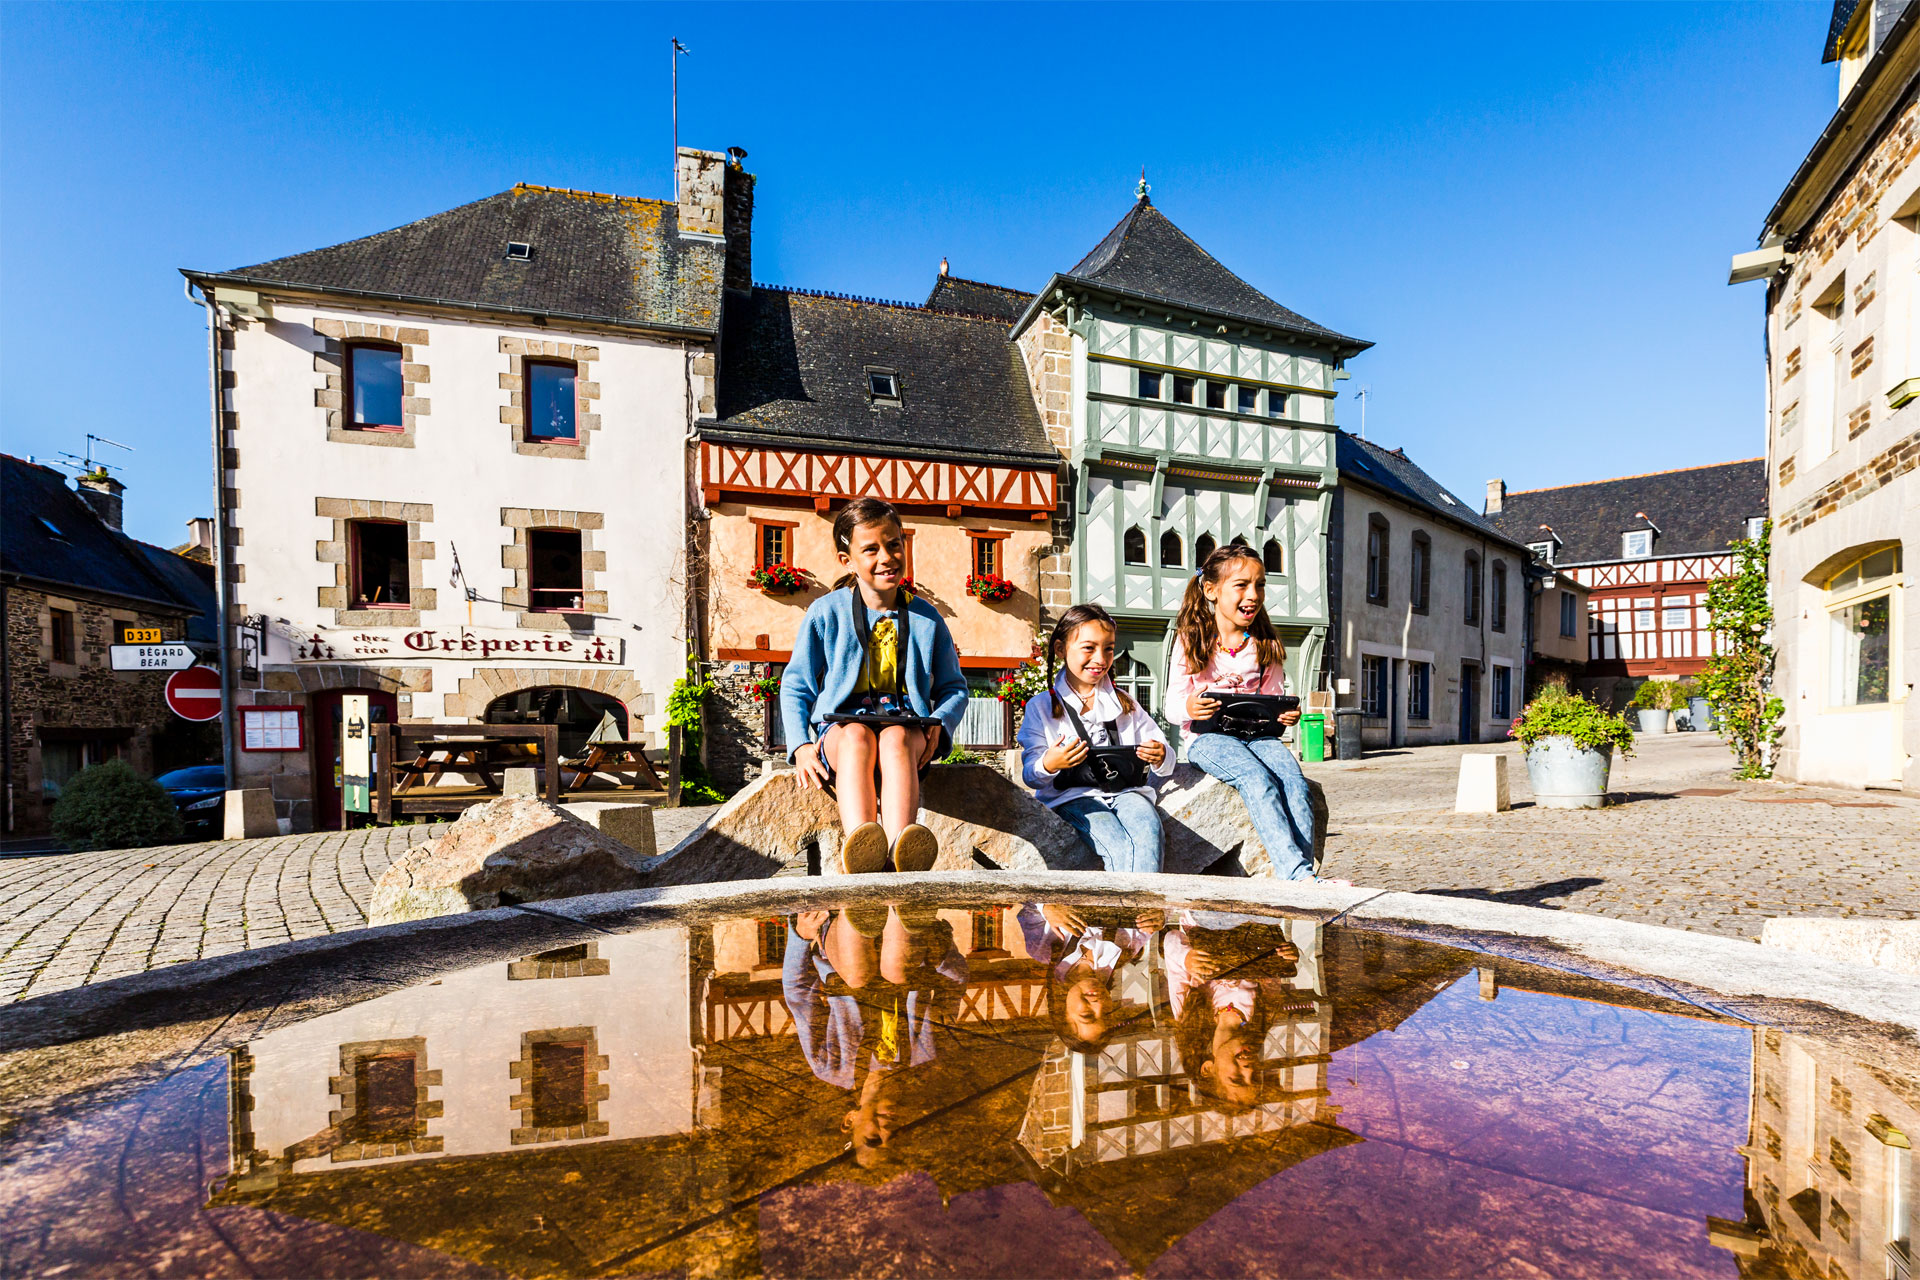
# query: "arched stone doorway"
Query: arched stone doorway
{"points": [[579, 712]]}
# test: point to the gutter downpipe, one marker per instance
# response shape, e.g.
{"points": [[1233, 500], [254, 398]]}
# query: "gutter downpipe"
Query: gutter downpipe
{"points": [[6, 705], [219, 535]]}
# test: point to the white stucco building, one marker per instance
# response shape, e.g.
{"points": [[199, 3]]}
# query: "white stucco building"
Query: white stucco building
{"points": [[455, 467]]}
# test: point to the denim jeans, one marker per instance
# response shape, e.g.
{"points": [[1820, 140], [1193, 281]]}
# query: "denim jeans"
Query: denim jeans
{"points": [[1269, 780], [1124, 829]]}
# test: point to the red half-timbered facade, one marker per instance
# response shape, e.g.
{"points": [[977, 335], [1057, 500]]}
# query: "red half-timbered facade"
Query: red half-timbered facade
{"points": [[1648, 617], [748, 472]]}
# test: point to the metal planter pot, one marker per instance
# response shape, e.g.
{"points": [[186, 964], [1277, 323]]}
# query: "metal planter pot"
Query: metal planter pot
{"points": [[1652, 721], [1699, 715], [1565, 776]]}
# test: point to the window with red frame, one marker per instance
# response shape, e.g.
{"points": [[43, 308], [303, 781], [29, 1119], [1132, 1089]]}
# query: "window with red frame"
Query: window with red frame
{"points": [[375, 384], [377, 576], [554, 580], [986, 557], [776, 544]]}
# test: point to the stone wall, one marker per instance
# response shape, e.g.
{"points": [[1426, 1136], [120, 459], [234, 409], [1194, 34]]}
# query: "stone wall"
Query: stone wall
{"points": [[1848, 489], [1046, 347], [736, 727]]}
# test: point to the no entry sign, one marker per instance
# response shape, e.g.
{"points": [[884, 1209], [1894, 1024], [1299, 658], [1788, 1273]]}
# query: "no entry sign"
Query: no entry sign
{"points": [[194, 694]]}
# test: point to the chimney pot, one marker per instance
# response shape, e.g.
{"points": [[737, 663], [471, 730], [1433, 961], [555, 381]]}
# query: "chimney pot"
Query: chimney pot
{"points": [[1496, 497], [102, 493]]}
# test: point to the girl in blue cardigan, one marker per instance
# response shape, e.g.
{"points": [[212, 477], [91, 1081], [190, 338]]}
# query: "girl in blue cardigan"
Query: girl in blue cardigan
{"points": [[873, 694]]}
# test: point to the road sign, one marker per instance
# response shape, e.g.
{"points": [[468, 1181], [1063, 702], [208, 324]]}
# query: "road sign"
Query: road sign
{"points": [[194, 694], [130, 634], [356, 753], [150, 657]]}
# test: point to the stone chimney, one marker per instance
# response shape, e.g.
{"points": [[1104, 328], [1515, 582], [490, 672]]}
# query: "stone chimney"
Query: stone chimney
{"points": [[1496, 497], [698, 188], [739, 221], [102, 492], [200, 533]]}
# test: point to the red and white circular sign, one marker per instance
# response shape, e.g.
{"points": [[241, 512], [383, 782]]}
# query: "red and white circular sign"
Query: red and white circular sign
{"points": [[194, 694]]}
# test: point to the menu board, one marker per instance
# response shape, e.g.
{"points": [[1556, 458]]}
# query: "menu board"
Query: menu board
{"points": [[271, 728]]}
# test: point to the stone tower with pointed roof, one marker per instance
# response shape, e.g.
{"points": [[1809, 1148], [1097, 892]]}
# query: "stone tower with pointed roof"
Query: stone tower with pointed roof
{"points": [[1194, 411]]}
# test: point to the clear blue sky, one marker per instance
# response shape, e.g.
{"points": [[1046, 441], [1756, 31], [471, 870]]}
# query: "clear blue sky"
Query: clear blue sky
{"points": [[1528, 207]]}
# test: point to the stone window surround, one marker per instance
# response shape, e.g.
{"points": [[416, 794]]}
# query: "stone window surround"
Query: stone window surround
{"points": [[331, 397], [335, 550], [343, 1087], [540, 966], [514, 556], [585, 391], [521, 1069]]}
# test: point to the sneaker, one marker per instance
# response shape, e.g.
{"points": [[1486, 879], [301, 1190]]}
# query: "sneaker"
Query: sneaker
{"points": [[864, 850], [916, 850]]}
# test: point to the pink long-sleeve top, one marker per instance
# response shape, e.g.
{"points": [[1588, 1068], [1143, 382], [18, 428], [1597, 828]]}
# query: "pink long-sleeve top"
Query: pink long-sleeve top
{"points": [[1229, 673]]}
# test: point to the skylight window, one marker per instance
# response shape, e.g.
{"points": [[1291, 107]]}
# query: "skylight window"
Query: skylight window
{"points": [[1448, 498], [883, 384], [53, 528], [519, 251]]}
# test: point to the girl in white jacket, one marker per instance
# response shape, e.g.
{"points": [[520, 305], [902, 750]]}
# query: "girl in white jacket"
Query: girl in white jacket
{"points": [[1070, 737]]}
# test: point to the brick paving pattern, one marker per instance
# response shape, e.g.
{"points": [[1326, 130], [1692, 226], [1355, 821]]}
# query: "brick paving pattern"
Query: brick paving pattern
{"points": [[1721, 863]]}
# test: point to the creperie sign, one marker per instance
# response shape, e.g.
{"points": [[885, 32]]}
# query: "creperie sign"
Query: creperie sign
{"points": [[463, 644]]}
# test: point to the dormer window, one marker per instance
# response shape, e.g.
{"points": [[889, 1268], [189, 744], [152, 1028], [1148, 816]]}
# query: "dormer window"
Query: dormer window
{"points": [[1756, 525], [883, 385], [1543, 551], [1636, 544], [519, 251]]}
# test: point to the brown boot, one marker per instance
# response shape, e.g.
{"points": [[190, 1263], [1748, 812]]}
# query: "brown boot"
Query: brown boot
{"points": [[916, 850]]}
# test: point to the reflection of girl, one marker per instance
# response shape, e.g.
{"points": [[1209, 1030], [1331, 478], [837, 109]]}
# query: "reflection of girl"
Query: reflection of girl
{"points": [[870, 990], [1081, 962], [1225, 986]]}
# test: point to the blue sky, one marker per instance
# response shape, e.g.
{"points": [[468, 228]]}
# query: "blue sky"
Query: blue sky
{"points": [[1529, 208]]}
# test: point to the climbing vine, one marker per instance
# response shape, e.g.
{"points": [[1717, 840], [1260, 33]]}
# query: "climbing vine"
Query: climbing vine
{"points": [[1738, 682], [686, 711]]}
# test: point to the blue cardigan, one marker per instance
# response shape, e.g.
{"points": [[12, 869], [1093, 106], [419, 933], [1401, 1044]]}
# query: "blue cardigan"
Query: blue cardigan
{"points": [[827, 660]]}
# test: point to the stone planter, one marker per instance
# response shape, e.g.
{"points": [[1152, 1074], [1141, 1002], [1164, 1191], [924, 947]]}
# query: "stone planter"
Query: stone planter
{"points": [[1652, 720], [1564, 776], [1699, 715]]}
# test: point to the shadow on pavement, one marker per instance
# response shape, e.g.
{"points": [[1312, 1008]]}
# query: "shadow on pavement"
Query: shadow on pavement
{"points": [[1532, 896]]}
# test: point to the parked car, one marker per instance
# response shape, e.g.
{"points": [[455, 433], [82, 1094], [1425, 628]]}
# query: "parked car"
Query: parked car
{"points": [[200, 793]]}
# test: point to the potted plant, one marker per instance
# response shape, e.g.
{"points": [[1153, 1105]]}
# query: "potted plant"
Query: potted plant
{"points": [[1569, 743], [1653, 704], [989, 587], [764, 688], [778, 579]]}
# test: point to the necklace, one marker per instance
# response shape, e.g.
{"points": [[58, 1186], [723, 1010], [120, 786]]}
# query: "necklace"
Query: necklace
{"points": [[1235, 651]]}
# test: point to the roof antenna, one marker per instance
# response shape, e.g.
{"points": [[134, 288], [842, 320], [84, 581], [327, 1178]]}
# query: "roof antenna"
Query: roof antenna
{"points": [[1140, 192], [678, 49], [1362, 395]]}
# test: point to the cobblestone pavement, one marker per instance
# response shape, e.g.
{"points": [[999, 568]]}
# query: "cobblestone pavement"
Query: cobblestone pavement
{"points": [[1720, 863]]}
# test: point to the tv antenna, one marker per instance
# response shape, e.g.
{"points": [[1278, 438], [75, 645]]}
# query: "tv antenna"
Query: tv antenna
{"points": [[678, 49], [1361, 395], [88, 465]]}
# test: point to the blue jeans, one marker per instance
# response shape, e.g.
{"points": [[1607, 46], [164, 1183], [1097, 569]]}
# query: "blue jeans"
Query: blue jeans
{"points": [[1123, 829], [1269, 780]]}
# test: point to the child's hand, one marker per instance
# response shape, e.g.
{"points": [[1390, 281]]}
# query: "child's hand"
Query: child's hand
{"points": [[1201, 707], [1063, 918], [1063, 755], [929, 746], [1150, 920], [811, 924], [1287, 951], [810, 771], [1152, 752], [1290, 717]]}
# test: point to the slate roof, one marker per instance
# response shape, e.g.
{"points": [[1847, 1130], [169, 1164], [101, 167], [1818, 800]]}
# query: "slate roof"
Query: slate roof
{"points": [[1886, 13], [188, 580], [1698, 510], [50, 536], [971, 297], [1393, 473], [793, 365], [1147, 256], [610, 259]]}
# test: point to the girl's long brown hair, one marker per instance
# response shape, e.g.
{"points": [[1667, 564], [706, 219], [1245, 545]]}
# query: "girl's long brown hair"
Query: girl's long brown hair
{"points": [[861, 511], [1071, 621], [1195, 626]]}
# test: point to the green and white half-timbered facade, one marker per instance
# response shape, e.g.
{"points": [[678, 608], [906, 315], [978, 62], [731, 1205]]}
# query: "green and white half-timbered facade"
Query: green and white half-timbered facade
{"points": [[1194, 411]]}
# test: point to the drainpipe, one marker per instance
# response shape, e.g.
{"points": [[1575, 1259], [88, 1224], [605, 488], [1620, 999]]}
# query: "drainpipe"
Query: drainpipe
{"points": [[219, 537], [6, 704]]}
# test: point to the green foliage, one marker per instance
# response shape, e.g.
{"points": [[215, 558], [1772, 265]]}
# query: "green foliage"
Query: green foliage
{"points": [[696, 784], [1658, 695], [1556, 712], [1019, 685], [960, 755], [1738, 684], [109, 806], [686, 710]]}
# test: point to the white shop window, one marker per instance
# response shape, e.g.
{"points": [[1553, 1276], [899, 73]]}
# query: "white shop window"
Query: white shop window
{"points": [[1860, 625]]}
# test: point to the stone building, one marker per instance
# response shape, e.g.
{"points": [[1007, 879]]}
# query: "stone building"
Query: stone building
{"points": [[455, 463], [1839, 252], [73, 584], [1194, 410], [1646, 548], [1430, 605], [825, 398]]}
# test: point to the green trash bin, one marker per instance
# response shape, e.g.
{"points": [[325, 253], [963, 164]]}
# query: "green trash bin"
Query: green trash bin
{"points": [[1313, 737]]}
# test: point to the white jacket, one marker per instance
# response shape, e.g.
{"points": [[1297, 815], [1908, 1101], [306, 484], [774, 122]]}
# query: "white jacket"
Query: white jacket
{"points": [[1041, 729]]}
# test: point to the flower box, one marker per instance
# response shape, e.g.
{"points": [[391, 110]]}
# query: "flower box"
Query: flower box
{"points": [[777, 579], [989, 587]]}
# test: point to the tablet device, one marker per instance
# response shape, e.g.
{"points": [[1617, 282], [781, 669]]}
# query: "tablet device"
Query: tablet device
{"points": [[1247, 715], [1106, 769], [881, 719]]}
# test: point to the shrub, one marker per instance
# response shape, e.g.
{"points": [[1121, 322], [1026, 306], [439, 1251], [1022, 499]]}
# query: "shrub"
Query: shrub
{"points": [[1558, 713], [109, 806], [1738, 680], [1658, 695], [960, 755]]}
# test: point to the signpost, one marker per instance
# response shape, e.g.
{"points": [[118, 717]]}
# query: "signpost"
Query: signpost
{"points": [[194, 694], [356, 753], [150, 657]]}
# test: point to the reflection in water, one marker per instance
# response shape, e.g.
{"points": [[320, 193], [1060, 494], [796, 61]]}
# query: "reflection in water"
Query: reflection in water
{"points": [[1010, 1089]]}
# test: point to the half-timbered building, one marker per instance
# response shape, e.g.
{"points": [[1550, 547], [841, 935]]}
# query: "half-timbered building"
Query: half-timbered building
{"points": [[822, 399], [1194, 411], [1647, 547]]}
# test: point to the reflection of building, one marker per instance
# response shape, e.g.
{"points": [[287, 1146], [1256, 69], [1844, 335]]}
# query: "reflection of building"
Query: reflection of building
{"points": [[1839, 251], [454, 462], [1831, 1184]]}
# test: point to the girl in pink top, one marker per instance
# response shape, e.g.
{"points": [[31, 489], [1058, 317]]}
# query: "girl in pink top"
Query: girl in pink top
{"points": [[1224, 642]]}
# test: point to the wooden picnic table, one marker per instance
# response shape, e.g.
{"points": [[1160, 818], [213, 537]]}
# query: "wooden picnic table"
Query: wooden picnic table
{"points": [[618, 756]]}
